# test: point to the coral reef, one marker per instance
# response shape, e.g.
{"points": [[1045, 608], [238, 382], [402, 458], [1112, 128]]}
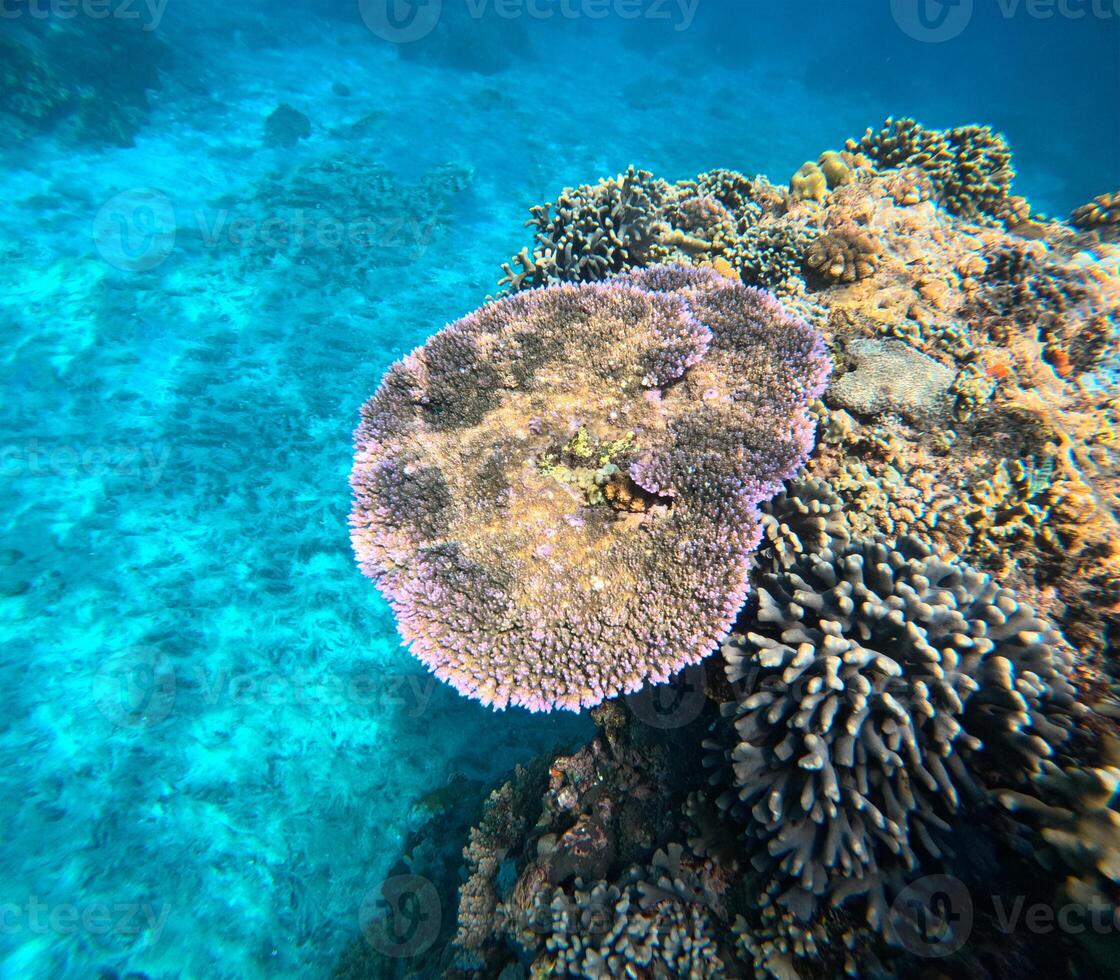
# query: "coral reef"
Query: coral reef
{"points": [[880, 682], [889, 712], [558, 493]]}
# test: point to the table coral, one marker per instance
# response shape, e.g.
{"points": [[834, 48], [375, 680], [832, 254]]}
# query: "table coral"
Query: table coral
{"points": [[558, 494]]}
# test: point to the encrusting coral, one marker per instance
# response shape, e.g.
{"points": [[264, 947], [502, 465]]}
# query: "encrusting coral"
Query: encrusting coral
{"points": [[558, 494], [880, 684]]}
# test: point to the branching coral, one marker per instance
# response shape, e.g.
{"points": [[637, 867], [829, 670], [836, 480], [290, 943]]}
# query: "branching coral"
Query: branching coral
{"points": [[657, 921], [558, 494], [1077, 812], [592, 232], [881, 683], [806, 518], [970, 166]]}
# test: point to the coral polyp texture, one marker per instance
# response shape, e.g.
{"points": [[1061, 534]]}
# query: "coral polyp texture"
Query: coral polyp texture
{"points": [[558, 494], [882, 682]]}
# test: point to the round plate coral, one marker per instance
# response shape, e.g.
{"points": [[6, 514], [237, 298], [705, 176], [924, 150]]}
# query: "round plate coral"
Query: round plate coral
{"points": [[558, 494]]}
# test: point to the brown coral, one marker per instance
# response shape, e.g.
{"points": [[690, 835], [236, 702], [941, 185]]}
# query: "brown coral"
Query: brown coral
{"points": [[1100, 213], [845, 254]]}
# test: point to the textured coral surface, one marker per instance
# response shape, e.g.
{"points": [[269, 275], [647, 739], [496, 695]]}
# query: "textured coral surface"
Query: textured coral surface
{"points": [[558, 493]]}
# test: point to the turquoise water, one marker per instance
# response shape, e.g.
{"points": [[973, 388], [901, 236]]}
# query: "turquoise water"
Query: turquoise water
{"points": [[212, 742]]}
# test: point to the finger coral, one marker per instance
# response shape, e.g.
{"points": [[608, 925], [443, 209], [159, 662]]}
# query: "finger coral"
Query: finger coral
{"points": [[1102, 212], [558, 494], [846, 254], [807, 517], [880, 684]]}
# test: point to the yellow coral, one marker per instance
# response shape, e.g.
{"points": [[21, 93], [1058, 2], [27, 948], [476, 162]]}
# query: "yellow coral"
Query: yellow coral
{"points": [[809, 183]]}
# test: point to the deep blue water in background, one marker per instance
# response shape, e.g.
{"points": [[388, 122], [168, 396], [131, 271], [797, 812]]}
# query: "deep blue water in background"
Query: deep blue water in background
{"points": [[210, 742]]}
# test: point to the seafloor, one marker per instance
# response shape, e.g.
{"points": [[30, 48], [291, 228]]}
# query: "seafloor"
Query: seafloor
{"points": [[211, 738]]}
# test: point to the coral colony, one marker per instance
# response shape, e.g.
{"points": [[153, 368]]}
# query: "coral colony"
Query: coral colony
{"points": [[908, 582], [558, 494]]}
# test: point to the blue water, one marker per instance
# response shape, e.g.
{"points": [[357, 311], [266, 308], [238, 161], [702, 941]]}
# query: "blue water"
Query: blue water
{"points": [[211, 742]]}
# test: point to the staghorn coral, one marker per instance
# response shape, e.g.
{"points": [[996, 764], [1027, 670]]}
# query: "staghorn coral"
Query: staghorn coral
{"points": [[880, 684], [519, 586], [969, 166], [592, 232], [1102, 213], [845, 254]]}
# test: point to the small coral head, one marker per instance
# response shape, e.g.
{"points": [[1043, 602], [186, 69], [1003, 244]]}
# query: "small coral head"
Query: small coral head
{"points": [[558, 494]]}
